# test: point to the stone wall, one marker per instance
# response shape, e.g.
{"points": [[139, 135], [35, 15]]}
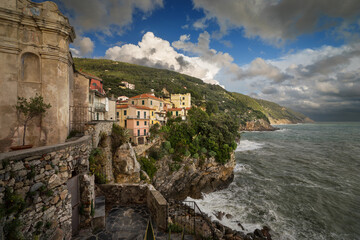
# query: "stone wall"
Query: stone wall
{"points": [[95, 128], [137, 194], [38, 177]]}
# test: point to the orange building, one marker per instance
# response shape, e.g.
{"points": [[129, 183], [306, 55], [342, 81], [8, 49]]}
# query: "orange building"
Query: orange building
{"points": [[136, 119]]}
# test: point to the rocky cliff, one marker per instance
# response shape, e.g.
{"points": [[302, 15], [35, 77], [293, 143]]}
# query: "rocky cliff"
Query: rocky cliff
{"points": [[257, 125], [193, 178]]}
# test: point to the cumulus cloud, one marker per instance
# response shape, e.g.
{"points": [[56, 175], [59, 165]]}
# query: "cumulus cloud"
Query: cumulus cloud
{"points": [[84, 46], [318, 81], [153, 51], [276, 21], [106, 16]]}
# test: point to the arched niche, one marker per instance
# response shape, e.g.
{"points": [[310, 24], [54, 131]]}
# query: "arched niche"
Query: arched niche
{"points": [[30, 75], [30, 68]]}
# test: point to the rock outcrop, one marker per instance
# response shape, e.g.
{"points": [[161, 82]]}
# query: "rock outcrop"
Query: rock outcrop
{"points": [[126, 168], [257, 125], [193, 178]]}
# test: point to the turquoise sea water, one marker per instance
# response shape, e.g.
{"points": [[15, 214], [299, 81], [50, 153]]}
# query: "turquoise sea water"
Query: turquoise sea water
{"points": [[302, 180]]}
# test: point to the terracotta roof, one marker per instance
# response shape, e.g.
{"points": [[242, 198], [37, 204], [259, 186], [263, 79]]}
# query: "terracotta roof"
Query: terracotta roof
{"points": [[146, 95], [122, 106], [175, 109], [188, 108], [137, 107]]}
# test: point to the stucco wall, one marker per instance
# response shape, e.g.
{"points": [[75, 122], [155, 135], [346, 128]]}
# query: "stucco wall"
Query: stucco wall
{"points": [[34, 58], [39, 176]]}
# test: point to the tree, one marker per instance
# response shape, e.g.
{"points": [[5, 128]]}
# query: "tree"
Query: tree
{"points": [[27, 110]]}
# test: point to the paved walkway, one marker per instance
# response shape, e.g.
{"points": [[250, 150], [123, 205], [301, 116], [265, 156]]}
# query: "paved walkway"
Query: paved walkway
{"points": [[125, 223]]}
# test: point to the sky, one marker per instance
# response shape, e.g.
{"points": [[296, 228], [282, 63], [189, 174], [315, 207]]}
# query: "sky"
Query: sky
{"points": [[300, 54]]}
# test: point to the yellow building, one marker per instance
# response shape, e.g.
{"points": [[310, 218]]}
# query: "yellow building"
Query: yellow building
{"points": [[181, 100]]}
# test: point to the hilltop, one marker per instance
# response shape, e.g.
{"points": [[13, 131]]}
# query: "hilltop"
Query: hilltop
{"points": [[213, 97]]}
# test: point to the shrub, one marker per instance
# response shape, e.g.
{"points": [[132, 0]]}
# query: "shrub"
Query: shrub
{"points": [[119, 136], [96, 163], [166, 145], [196, 156], [174, 227], [212, 154], [12, 230], [171, 150], [148, 165]]}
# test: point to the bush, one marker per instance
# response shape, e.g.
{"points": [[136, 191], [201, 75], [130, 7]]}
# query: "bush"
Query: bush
{"points": [[148, 165], [96, 163], [196, 156], [171, 150], [166, 145], [156, 153], [119, 136], [212, 154]]}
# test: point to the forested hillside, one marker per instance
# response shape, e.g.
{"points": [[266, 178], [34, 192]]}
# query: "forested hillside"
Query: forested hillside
{"points": [[213, 97]]}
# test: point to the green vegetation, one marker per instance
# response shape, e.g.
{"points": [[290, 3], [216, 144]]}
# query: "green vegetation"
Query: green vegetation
{"points": [[201, 135], [96, 165], [148, 165], [175, 228], [119, 136], [27, 110]]}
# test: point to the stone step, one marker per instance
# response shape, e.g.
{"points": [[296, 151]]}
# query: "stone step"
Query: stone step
{"points": [[98, 221]]}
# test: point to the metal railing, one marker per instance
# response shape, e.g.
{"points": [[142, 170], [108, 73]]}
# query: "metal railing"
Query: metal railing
{"points": [[190, 216]]}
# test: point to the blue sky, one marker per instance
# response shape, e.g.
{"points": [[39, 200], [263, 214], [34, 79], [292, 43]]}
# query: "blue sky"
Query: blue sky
{"points": [[300, 54]]}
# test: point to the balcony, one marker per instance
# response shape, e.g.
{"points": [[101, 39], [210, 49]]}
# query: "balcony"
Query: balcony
{"points": [[99, 107], [138, 117]]}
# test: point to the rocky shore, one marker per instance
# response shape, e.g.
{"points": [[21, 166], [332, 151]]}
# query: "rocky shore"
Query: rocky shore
{"points": [[193, 177], [205, 227], [257, 125]]}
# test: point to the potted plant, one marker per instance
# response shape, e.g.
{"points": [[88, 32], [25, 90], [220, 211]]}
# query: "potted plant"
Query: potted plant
{"points": [[28, 110]]}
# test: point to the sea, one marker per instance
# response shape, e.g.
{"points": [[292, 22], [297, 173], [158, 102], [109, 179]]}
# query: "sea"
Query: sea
{"points": [[302, 181]]}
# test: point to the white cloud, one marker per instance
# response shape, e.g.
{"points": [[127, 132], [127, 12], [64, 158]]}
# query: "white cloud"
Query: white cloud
{"points": [[155, 52], [84, 46], [277, 21]]}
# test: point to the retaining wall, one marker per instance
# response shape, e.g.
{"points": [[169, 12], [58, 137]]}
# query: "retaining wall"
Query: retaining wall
{"points": [[37, 179]]}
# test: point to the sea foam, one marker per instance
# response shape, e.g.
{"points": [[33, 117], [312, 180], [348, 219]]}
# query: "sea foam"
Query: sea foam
{"points": [[246, 145]]}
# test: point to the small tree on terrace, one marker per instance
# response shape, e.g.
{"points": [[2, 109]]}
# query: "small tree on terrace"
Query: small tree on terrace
{"points": [[27, 110]]}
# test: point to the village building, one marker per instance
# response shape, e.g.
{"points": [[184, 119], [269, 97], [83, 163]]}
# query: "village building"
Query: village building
{"points": [[100, 107], [137, 120], [150, 101], [179, 112], [181, 100], [125, 85]]}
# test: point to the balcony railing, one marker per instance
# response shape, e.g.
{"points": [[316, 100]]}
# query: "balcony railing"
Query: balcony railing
{"points": [[99, 107], [138, 117]]}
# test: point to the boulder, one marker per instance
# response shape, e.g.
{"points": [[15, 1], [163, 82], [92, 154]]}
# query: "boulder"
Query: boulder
{"points": [[125, 165]]}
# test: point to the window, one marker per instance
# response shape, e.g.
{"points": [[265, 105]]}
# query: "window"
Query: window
{"points": [[144, 131], [117, 114], [183, 98], [177, 113], [144, 114], [143, 102], [152, 122], [94, 84], [139, 132], [152, 113], [137, 123], [125, 112], [171, 113], [183, 103], [132, 102], [138, 114], [145, 123], [150, 102], [160, 104]]}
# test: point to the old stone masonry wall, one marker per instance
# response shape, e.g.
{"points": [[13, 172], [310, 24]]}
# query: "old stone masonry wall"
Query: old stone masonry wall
{"points": [[34, 196]]}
